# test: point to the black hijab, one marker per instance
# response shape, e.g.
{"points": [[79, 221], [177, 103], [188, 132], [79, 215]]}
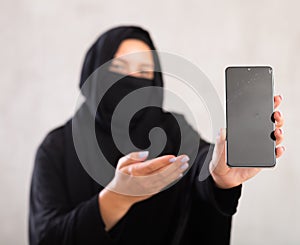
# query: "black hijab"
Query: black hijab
{"points": [[144, 120], [107, 45]]}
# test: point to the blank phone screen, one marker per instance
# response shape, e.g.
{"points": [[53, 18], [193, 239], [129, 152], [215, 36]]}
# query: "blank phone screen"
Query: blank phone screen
{"points": [[249, 108]]}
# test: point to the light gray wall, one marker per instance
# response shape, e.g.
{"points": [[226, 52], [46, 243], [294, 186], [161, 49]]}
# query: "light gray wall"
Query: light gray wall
{"points": [[42, 47]]}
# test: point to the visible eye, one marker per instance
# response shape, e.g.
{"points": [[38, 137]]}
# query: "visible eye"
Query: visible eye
{"points": [[118, 67]]}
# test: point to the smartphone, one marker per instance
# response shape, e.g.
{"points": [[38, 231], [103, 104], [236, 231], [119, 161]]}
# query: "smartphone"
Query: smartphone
{"points": [[249, 110]]}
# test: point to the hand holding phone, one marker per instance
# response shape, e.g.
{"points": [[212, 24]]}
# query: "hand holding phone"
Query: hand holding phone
{"points": [[235, 159]]}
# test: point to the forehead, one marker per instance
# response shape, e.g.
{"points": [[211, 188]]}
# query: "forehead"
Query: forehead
{"points": [[134, 50]]}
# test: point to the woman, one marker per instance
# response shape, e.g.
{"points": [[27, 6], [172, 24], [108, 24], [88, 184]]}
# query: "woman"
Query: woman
{"points": [[67, 206]]}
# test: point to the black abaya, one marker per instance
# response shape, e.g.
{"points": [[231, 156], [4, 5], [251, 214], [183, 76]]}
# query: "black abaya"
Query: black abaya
{"points": [[64, 198]]}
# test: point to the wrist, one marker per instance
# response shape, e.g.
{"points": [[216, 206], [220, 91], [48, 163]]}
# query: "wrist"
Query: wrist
{"points": [[221, 183], [114, 199], [112, 206]]}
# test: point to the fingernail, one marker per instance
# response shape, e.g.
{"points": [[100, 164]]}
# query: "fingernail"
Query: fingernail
{"points": [[185, 159], [283, 148], [280, 96], [279, 113], [143, 154], [278, 131], [173, 159], [184, 166]]}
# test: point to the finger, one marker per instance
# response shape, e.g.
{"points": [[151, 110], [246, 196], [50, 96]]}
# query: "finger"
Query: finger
{"points": [[279, 151], [278, 136], [132, 157], [169, 174], [278, 119], [178, 166], [162, 177], [150, 166], [277, 100]]}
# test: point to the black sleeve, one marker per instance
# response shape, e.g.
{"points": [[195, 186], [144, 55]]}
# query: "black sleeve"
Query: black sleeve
{"points": [[224, 200], [51, 219]]}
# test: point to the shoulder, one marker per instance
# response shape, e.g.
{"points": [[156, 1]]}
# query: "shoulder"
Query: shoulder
{"points": [[53, 144], [54, 138], [49, 160]]}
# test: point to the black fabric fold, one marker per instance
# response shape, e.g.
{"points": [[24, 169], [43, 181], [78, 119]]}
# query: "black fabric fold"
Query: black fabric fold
{"points": [[54, 217], [224, 200]]}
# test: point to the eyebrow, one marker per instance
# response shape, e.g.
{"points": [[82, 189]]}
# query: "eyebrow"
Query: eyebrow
{"points": [[126, 62]]}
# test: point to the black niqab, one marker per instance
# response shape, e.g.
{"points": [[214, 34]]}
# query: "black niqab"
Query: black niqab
{"points": [[103, 51]]}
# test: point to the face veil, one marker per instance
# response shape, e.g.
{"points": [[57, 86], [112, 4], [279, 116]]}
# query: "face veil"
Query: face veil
{"points": [[144, 120]]}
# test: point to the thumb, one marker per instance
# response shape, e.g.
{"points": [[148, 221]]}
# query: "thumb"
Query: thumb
{"points": [[219, 150], [222, 135]]}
